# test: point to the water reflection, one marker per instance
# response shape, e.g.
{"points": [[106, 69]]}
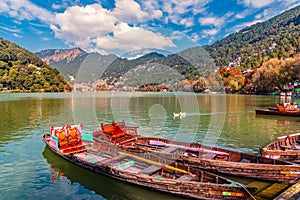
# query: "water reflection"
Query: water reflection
{"points": [[56, 174], [106, 187], [25, 114]]}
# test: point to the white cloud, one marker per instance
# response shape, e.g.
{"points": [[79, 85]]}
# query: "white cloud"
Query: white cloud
{"points": [[240, 15], [57, 6], [94, 26], [195, 37], [188, 22], [176, 11], [17, 35], [257, 3], [264, 3], [10, 29], [214, 21], [130, 11], [78, 23], [4, 6], [133, 38], [46, 39], [24, 10], [210, 32], [245, 24]]}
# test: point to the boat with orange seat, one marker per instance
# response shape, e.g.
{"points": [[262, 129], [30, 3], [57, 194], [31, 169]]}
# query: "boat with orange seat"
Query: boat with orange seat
{"points": [[152, 172], [288, 110], [208, 158]]}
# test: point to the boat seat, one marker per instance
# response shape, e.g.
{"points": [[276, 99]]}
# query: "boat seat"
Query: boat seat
{"points": [[125, 165], [150, 170], [285, 146], [72, 137], [169, 149], [106, 161], [62, 140], [185, 177], [297, 147], [245, 160], [208, 155]]}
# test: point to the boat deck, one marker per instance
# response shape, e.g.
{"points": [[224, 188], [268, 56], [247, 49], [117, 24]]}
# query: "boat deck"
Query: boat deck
{"points": [[292, 192]]}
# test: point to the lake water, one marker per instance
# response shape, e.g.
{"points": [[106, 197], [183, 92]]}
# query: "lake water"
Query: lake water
{"points": [[29, 170]]}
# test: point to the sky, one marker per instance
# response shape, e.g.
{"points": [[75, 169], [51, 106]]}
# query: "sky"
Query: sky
{"points": [[119, 26]]}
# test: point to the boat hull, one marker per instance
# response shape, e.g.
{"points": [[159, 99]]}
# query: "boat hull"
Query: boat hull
{"points": [[188, 189], [280, 173], [236, 163], [264, 168], [284, 148], [276, 112]]}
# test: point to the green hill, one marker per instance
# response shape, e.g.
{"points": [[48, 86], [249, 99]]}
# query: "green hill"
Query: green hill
{"points": [[23, 71], [278, 37]]}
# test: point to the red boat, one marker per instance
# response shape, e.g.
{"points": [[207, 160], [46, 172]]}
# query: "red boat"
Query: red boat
{"points": [[288, 110]]}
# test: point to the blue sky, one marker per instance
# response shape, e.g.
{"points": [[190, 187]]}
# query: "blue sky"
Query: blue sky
{"points": [[120, 26]]}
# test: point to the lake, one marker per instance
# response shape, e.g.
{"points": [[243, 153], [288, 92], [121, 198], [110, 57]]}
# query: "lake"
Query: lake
{"points": [[29, 170]]}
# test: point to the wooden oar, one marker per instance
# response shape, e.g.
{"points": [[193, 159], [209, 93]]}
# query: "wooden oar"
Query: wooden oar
{"points": [[154, 163], [159, 143]]}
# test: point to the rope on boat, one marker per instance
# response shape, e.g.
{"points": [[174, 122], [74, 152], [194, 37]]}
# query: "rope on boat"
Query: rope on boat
{"points": [[154, 163]]}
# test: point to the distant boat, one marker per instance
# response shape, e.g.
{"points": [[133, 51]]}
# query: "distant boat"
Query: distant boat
{"points": [[286, 110], [276, 112]]}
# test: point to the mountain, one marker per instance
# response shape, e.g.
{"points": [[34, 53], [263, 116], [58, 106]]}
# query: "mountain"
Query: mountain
{"points": [[278, 37], [76, 63], [122, 65], [87, 67], [56, 55], [21, 70], [251, 47]]}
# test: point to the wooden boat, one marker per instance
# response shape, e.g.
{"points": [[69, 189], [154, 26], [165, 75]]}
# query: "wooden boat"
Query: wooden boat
{"points": [[285, 148], [197, 155], [287, 110], [277, 112], [107, 159]]}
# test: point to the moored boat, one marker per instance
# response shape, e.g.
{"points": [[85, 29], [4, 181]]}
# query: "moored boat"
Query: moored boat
{"points": [[197, 155], [277, 112], [286, 110], [153, 172], [285, 148]]}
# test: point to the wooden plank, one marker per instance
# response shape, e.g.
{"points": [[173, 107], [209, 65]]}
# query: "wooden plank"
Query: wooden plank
{"points": [[186, 177], [150, 170], [118, 157], [291, 193], [273, 189], [169, 149], [209, 156]]}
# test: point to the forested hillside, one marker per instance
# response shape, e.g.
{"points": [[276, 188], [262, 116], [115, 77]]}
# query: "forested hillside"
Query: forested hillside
{"points": [[278, 37], [21, 70]]}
